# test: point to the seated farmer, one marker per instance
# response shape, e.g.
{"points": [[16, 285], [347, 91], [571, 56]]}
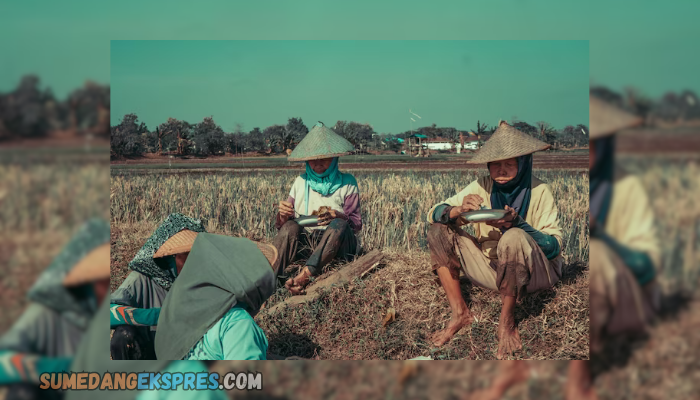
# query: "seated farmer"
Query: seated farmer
{"points": [[321, 186], [137, 301], [57, 316], [516, 255], [89, 279], [208, 313], [624, 293]]}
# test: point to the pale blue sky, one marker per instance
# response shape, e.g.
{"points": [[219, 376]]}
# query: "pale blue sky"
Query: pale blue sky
{"points": [[261, 83], [648, 44]]}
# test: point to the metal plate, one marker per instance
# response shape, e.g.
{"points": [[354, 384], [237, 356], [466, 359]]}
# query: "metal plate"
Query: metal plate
{"points": [[307, 220], [484, 215]]}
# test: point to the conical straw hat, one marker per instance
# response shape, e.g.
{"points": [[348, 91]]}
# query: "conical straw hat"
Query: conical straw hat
{"points": [[607, 119], [180, 242], [93, 267], [269, 251], [507, 142], [321, 142]]}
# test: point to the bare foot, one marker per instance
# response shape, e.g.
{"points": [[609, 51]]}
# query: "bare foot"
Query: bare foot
{"points": [[297, 284], [574, 391], [510, 373], [457, 322], [508, 337]]}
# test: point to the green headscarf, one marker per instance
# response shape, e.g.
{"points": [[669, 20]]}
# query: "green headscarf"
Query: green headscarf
{"points": [[325, 183], [220, 272]]}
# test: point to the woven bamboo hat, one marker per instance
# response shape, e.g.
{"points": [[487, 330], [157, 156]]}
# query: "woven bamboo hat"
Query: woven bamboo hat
{"points": [[507, 142], [182, 242], [607, 119], [321, 142], [93, 267]]}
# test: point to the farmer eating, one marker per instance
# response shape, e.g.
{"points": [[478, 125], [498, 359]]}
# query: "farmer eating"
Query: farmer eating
{"points": [[208, 313], [515, 252], [326, 197]]}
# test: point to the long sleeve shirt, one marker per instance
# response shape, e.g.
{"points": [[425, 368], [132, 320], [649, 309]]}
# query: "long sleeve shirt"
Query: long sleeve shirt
{"points": [[346, 200], [542, 217]]}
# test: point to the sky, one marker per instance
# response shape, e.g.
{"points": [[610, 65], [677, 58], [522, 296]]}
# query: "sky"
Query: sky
{"points": [[646, 44], [262, 83]]}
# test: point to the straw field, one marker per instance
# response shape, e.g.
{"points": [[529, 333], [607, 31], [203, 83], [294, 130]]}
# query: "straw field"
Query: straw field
{"points": [[346, 322], [41, 206]]}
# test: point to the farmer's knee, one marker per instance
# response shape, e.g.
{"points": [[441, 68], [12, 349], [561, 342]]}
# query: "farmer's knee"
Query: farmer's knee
{"points": [[338, 224], [290, 228], [438, 235], [512, 240]]}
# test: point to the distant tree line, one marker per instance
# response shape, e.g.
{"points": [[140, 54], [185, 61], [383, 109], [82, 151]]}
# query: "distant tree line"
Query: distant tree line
{"points": [[30, 113], [671, 108], [131, 138]]}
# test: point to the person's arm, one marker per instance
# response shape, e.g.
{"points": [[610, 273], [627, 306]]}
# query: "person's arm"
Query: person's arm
{"points": [[351, 206], [548, 243], [639, 262], [18, 367], [123, 315], [242, 339], [441, 214], [279, 219]]}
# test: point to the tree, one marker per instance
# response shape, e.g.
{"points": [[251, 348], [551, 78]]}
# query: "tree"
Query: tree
{"points": [[546, 132], [481, 131], [277, 137], [127, 137], [296, 131], [208, 137], [23, 111], [356, 133], [524, 127], [256, 140]]}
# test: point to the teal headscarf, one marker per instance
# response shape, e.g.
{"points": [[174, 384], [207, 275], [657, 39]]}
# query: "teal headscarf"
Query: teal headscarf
{"points": [[325, 183]]}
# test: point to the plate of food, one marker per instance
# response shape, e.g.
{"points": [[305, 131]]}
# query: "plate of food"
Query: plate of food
{"points": [[484, 215], [307, 220]]}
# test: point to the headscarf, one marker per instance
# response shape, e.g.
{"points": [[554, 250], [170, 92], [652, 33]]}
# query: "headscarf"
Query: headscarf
{"points": [[325, 183], [144, 262], [601, 178], [229, 271], [48, 290], [515, 193]]}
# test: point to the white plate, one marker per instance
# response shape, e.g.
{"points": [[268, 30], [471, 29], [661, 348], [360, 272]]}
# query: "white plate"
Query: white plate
{"points": [[484, 215], [307, 220]]}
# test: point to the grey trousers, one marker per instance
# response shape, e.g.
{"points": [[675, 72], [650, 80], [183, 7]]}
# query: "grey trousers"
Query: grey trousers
{"points": [[337, 241]]}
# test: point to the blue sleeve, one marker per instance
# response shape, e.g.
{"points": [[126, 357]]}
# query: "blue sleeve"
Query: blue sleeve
{"points": [[123, 315], [637, 261], [548, 243], [442, 214], [27, 368], [242, 338]]}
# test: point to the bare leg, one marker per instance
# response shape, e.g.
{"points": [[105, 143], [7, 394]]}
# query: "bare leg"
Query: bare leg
{"points": [[509, 373], [508, 335], [579, 385], [461, 316]]}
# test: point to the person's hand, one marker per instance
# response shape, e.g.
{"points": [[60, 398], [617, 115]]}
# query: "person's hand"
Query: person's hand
{"points": [[286, 210], [507, 221], [326, 218], [470, 202]]}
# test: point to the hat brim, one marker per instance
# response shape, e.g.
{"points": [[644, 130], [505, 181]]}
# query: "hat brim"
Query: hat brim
{"points": [[319, 157], [93, 267], [179, 243], [269, 251]]}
